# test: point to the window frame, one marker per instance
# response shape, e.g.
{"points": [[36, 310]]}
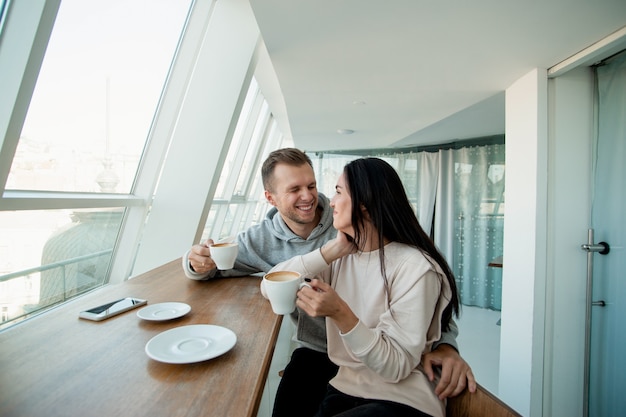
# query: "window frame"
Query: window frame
{"points": [[22, 48]]}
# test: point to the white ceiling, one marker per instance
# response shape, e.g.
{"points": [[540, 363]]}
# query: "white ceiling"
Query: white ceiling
{"points": [[413, 72]]}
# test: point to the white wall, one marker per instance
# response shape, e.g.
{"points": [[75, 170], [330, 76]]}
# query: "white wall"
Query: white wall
{"points": [[548, 150], [524, 271], [569, 196]]}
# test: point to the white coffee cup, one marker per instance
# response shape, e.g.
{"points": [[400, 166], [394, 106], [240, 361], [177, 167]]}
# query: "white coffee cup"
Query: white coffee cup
{"points": [[224, 254], [281, 288]]}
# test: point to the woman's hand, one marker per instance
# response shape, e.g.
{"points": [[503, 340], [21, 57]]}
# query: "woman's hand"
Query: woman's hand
{"points": [[321, 300]]}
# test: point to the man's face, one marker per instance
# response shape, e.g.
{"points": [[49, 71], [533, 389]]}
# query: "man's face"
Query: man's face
{"points": [[294, 193]]}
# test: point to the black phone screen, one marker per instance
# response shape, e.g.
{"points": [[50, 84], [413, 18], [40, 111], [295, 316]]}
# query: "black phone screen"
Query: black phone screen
{"points": [[115, 305]]}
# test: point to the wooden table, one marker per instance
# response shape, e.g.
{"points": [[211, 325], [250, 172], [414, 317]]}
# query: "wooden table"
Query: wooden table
{"points": [[59, 365]]}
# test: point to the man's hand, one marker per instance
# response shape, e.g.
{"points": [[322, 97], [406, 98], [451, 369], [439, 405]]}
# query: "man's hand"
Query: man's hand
{"points": [[456, 374], [200, 258]]}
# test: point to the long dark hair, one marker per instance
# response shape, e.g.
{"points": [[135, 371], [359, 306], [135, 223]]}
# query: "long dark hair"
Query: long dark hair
{"points": [[373, 184]]}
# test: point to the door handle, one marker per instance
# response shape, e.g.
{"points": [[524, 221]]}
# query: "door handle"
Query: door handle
{"points": [[602, 248]]}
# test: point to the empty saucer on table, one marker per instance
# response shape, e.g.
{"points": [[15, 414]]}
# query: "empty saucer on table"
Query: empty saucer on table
{"points": [[193, 343], [164, 311]]}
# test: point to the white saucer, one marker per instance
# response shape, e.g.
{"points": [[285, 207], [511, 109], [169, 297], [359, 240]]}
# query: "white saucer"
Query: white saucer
{"points": [[188, 344], [164, 311]]}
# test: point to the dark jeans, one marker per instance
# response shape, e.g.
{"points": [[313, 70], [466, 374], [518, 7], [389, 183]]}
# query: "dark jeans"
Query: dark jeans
{"points": [[339, 404], [303, 384]]}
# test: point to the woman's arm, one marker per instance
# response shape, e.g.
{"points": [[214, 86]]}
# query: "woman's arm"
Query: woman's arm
{"points": [[394, 348]]}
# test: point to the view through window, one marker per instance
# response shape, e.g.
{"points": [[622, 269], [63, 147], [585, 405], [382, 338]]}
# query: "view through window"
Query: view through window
{"points": [[85, 131], [239, 200]]}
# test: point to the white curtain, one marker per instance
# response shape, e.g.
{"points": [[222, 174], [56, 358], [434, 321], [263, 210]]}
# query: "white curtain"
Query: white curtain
{"points": [[445, 224], [470, 219], [420, 172], [428, 176]]}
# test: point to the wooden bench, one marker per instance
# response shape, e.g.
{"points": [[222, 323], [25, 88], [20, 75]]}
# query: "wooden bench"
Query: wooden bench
{"points": [[481, 403]]}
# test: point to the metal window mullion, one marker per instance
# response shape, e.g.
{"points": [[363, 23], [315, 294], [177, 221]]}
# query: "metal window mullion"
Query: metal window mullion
{"points": [[258, 139], [241, 139], [248, 217], [235, 226], [254, 184], [271, 141], [220, 219], [26, 30], [34, 200], [241, 153]]}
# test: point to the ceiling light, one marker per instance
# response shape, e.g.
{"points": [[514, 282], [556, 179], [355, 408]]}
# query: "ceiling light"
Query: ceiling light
{"points": [[345, 131]]}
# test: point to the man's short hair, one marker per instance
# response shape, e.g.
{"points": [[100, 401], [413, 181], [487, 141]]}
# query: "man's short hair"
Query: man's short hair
{"points": [[290, 156]]}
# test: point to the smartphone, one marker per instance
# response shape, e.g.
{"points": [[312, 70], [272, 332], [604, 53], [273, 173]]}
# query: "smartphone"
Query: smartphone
{"points": [[112, 309]]}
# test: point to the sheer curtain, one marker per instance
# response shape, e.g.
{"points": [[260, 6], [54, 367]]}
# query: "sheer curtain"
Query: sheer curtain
{"points": [[420, 172], [608, 218], [469, 220]]}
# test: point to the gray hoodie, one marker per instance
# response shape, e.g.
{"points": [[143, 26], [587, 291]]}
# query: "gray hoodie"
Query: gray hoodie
{"points": [[270, 242]]}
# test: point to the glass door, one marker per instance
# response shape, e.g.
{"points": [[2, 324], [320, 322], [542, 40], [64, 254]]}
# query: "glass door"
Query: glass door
{"points": [[607, 362]]}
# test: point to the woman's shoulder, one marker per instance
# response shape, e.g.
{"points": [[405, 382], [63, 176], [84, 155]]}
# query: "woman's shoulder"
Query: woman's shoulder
{"points": [[398, 248], [410, 255]]}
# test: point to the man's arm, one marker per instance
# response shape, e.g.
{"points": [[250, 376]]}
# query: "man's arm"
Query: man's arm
{"points": [[456, 374], [198, 265], [448, 337]]}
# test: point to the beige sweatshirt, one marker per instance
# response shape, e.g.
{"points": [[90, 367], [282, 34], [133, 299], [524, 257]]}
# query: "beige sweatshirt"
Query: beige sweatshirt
{"points": [[380, 357]]}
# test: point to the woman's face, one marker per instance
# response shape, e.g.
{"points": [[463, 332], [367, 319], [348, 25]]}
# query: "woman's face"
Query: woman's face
{"points": [[342, 207]]}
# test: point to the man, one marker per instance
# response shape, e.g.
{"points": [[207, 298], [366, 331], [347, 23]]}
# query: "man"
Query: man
{"points": [[300, 222]]}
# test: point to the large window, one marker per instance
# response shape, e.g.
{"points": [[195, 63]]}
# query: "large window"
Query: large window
{"points": [[96, 95], [75, 157], [239, 200]]}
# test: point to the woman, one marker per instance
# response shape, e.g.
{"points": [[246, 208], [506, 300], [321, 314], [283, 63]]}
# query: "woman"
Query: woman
{"points": [[387, 291]]}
